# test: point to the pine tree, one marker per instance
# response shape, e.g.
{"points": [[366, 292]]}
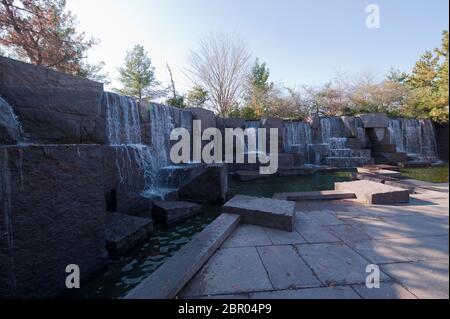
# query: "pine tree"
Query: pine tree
{"points": [[137, 76]]}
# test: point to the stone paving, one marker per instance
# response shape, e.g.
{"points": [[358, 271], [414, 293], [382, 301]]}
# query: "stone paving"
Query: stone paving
{"points": [[327, 254]]}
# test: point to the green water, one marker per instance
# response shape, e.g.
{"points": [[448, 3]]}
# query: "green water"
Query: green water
{"points": [[124, 274], [434, 174], [267, 187]]}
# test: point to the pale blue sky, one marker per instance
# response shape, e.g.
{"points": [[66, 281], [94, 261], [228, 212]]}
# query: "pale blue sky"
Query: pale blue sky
{"points": [[303, 42]]}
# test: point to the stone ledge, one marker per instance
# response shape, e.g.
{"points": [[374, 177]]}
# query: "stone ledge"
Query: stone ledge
{"points": [[373, 193], [317, 195], [123, 232], [167, 281], [170, 212], [268, 212]]}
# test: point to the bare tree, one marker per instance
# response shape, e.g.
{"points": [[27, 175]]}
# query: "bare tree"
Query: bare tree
{"points": [[220, 66]]}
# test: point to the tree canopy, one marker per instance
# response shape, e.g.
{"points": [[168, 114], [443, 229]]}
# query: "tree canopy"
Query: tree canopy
{"points": [[137, 76], [43, 32]]}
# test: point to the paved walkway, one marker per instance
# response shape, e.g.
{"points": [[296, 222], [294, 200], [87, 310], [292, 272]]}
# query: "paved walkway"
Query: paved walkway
{"points": [[327, 254]]}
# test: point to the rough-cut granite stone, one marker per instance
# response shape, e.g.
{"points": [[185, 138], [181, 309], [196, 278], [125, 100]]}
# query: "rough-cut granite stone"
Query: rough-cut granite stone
{"points": [[209, 184], [175, 273], [369, 192], [375, 120], [123, 232], [52, 214], [53, 107], [124, 177], [266, 212], [170, 212]]}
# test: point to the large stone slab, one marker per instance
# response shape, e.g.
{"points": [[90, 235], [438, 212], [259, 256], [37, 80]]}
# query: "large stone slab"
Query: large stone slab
{"points": [[170, 212], [52, 215], [382, 172], [247, 235], [335, 264], [286, 269], [375, 120], [316, 195], [387, 290], [208, 184], [426, 279], [230, 271], [404, 249], [53, 107], [373, 193], [266, 212], [344, 292], [123, 232], [175, 273]]}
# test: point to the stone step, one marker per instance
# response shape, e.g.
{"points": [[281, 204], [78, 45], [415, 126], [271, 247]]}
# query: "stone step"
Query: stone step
{"points": [[123, 232], [171, 212], [382, 172], [265, 212], [347, 162], [350, 153], [167, 281], [381, 166], [317, 195], [414, 164], [373, 193]]}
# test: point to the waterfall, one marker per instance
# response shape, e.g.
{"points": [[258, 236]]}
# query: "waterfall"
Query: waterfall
{"points": [[124, 133], [10, 121], [297, 138], [251, 127], [331, 127], [414, 137], [122, 115]]}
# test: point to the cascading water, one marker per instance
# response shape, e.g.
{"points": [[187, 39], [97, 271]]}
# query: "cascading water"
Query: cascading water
{"points": [[122, 114], [251, 127], [297, 138], [331, 127], [10, 121], [414, 137], [124, 133]]}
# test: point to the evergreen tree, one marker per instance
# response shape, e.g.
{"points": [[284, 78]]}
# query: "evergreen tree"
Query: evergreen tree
{"points": [[429, 85], [137, 76], [197, 96]]}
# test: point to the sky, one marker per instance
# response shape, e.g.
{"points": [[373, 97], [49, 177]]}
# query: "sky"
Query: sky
{"points": [[302, 42]]}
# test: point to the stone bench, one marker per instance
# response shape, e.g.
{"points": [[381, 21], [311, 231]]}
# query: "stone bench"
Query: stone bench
{"points": [[373, 193], [265, 212]]}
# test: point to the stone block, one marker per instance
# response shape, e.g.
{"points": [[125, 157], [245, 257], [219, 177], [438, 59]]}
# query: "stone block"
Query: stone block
{"points": [[209, 184], [52, 215], [315, 195], [53, 107], [266, 212], [375, 120], [170, 212], [123, 232], [373, 193], [167, 281]]}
